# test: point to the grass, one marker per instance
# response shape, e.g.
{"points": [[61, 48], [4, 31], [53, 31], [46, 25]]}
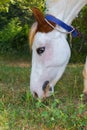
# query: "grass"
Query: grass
{"points": [[64, 110]]}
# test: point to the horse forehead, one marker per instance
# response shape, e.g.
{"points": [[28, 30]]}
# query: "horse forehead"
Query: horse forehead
{"points": [[40, 36], [44, 38], [40, 39]]}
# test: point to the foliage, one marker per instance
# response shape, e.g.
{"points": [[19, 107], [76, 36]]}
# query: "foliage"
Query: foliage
{"points": [[7, 35], [19, 110], [79, 45], [14, 25], [4, 4]]}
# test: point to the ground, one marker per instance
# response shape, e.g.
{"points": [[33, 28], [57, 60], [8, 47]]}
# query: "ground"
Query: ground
{"points": [[64, 110]]}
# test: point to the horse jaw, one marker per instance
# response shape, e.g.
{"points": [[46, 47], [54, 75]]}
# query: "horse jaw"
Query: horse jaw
{"points": [[50, 65]]}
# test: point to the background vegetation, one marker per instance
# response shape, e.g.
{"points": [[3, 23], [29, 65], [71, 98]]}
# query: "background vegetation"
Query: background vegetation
{"points": [[16, 19]]}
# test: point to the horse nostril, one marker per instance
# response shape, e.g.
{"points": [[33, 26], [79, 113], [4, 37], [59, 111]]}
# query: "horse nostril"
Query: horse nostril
{"points": [[35, 95], [45, 86]]}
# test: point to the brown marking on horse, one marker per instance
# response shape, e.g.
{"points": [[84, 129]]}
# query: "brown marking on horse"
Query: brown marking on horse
{"points": [[40, 25]]}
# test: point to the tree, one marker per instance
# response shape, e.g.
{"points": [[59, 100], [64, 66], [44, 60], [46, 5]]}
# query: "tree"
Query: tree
{"points": [[16, 14]]}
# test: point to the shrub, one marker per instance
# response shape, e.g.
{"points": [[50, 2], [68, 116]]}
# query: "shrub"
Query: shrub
{"points": [[14, 37], [79, 45], [7, 35]]}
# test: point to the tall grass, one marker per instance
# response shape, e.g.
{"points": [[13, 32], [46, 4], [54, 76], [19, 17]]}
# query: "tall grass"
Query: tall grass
{"points": [[64, 110]]}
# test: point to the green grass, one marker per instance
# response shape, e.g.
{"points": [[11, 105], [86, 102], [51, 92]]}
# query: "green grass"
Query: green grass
{"points": [[20, 111]]}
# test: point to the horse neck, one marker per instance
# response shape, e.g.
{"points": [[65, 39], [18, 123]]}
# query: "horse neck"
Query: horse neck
{"points": [[66, 10], [55, 8]]}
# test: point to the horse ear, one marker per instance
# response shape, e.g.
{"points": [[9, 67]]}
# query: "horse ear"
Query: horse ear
{"points": [[39, 26], [42, 24], [38, 15]]}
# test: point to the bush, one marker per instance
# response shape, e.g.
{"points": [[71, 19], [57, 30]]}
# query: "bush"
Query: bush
{"points": [[14, 37], [79, 45], [20, 40], [7, 35]]}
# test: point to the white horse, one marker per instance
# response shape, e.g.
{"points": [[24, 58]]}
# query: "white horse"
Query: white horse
{"points": [[50, 49]]}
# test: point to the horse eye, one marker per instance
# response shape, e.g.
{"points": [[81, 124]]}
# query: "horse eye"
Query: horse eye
{"points": [[40, 50]]}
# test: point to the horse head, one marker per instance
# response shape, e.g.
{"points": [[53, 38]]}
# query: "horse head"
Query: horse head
{"points": [[50, 55], [50, 49]]}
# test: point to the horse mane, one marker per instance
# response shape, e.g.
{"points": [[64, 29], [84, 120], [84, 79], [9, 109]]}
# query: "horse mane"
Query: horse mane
{"points": [[32, 33]]}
